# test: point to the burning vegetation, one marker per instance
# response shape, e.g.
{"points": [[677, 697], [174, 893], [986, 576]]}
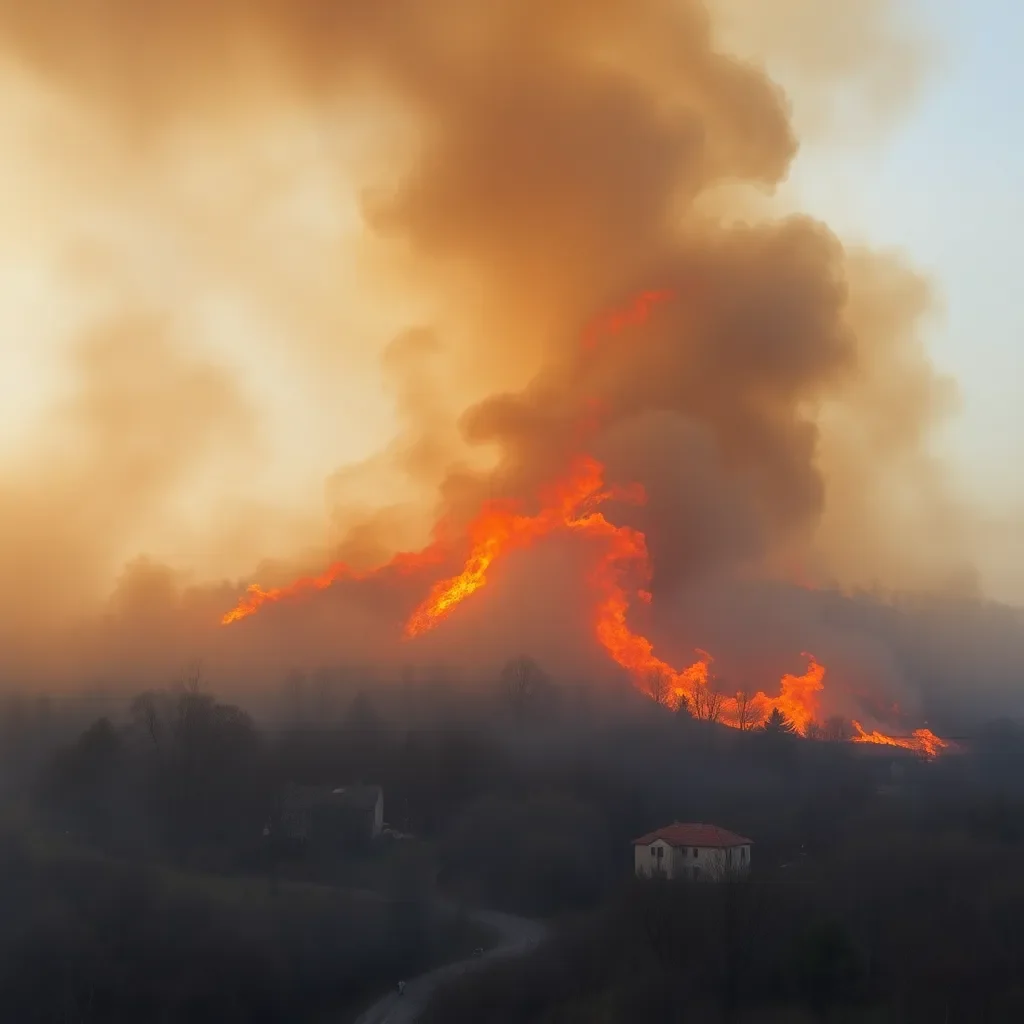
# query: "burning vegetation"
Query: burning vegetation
{"points": [[620, 574], [552, 232], [479, 330], [923, 741]]}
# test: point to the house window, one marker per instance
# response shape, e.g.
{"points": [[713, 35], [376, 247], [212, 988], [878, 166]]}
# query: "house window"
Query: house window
{"points": [[654, 852], [695, 853], [660, 852], [743, 853]]}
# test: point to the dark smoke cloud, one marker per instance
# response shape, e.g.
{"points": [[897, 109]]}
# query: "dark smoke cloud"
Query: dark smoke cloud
{"points": [[555, 158]]}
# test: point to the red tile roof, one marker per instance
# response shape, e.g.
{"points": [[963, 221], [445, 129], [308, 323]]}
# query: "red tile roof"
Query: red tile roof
{"points": [[707, 836]]}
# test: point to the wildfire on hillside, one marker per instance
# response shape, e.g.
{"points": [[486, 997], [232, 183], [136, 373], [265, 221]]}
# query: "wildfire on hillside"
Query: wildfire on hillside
{"points": [[621, 574], [922, 741]]}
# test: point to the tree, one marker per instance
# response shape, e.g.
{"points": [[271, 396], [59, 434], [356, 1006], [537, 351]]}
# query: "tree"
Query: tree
{"points": [[836, 729], [145, 714], [80, 782], [97, 751], [828, 968], [536, 853], [706, 702], [202, 772], [523, 686], [659, 687], [749, 711], [777, 724], [362, 715]]}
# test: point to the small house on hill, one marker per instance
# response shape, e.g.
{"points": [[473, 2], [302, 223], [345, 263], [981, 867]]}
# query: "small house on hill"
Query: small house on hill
{"points": [[325, 817], [691, 851]]}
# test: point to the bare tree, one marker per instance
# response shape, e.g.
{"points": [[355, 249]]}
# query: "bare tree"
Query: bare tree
{"points": [[836, 729], [146, 714], [193, 680], [189, 719], [749, 711], [190, 706], [706, 702], [523, 685], [659, 687]]}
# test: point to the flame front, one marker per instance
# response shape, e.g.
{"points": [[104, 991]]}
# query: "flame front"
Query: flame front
{"points": [[502, 527], [922, 741], [256, 597], [404, 563], [622, 572]]}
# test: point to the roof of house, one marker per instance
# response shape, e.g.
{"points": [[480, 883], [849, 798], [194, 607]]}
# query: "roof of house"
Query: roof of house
{"points": [[708, 836]]}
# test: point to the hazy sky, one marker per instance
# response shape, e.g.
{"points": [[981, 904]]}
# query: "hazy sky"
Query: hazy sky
{"points": [[945, 186], [240, 242]]}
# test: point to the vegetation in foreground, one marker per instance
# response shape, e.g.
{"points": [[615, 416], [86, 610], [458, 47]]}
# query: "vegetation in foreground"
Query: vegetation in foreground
{"points": [[136, 884], [899, 929], [85, 938]]}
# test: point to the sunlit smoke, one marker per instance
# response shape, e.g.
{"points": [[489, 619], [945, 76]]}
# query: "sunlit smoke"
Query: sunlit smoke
{"points": [[439, 252]]}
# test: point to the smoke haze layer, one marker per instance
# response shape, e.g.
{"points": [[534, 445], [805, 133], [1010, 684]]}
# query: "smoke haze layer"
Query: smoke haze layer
{"points": [[318, 275]]}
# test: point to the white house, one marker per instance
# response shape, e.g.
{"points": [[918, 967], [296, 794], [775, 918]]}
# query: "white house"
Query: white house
{"points": [[692, 851]]}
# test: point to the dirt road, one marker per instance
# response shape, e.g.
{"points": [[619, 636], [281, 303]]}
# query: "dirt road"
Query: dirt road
{"points": [[516, 936]]}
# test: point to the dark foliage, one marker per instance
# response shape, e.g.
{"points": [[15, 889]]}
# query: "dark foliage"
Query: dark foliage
{"points": [[884, 887], [89, 940]]}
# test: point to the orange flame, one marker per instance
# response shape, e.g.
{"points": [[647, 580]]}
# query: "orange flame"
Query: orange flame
{"points": [[497, 528], [622, 572], [501, 528], [922, 741], [256, 597], [623, 568], [798, 699]]}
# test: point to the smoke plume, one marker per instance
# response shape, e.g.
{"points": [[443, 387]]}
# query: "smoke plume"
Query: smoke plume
{"points": [[298, 241]]}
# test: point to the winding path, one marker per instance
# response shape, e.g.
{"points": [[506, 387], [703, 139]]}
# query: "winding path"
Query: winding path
{"points": [[516, 936]]}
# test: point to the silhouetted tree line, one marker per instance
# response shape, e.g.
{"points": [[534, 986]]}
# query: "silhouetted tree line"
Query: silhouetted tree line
{"points": [[97, 941], [186, 776], [899, 928], [525, 796], [884, 889], [528, 802]]}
